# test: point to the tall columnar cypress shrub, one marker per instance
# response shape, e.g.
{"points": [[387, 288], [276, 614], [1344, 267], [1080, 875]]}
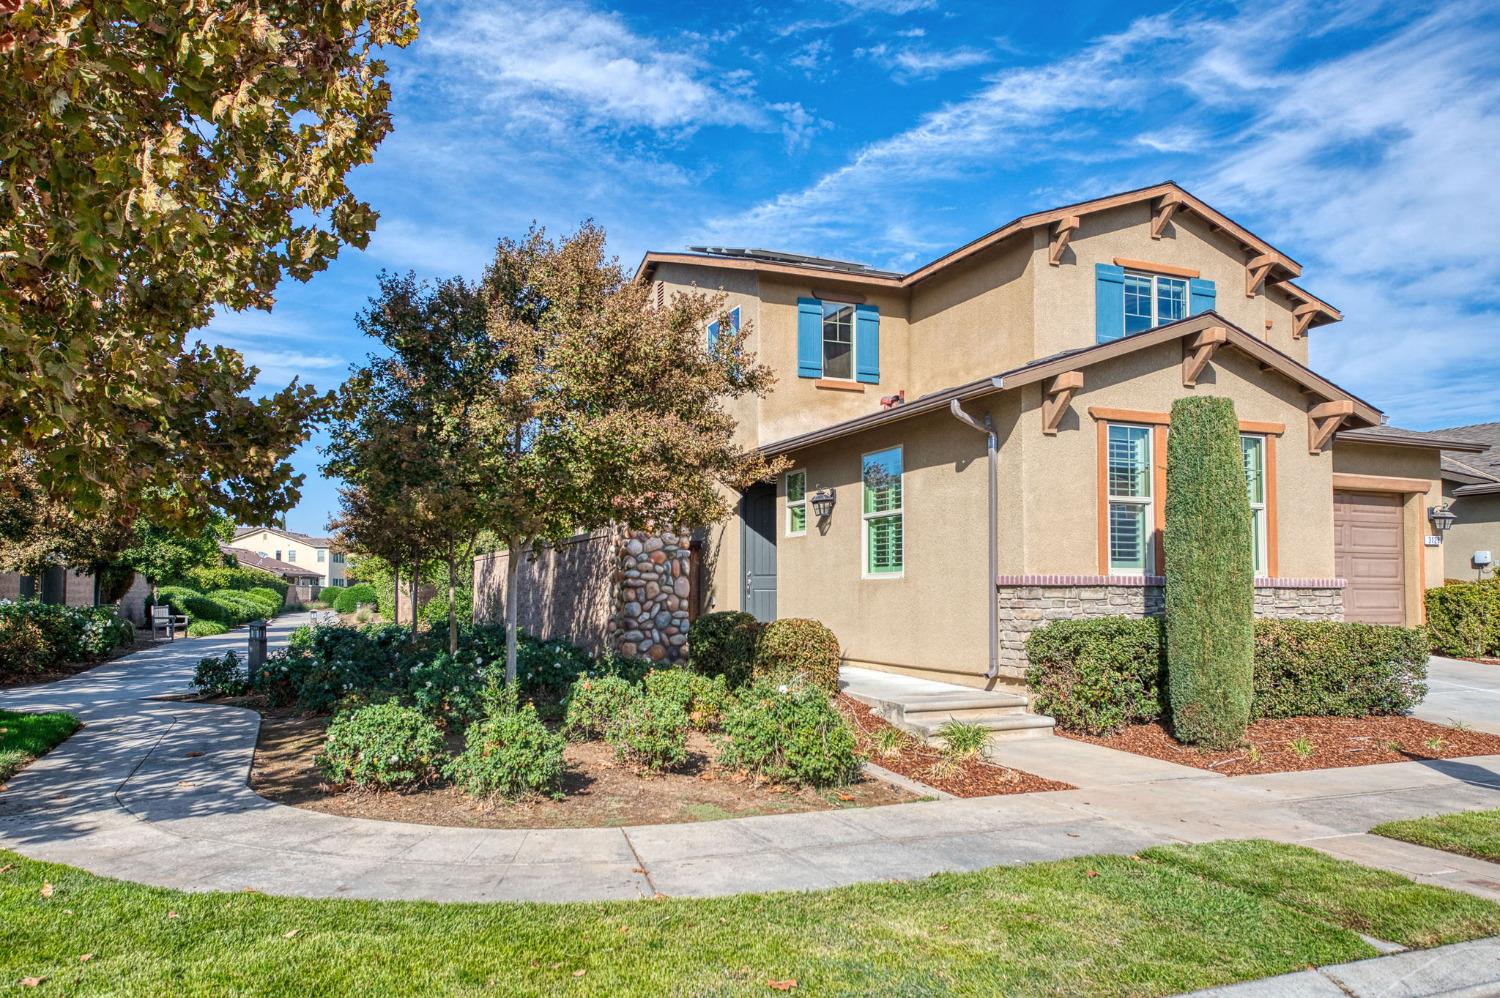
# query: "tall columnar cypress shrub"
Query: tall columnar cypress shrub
{"points": [[1210, 596]]}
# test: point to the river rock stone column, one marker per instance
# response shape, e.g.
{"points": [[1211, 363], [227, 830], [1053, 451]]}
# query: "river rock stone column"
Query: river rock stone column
{"points": [[652, 594]]}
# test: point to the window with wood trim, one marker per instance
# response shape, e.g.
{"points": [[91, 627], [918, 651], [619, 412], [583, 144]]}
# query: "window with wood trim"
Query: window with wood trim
{"points": [[883, 512], [1153, 300], [838, 340], [1253, 447], [1130, 506], [796, 503]]}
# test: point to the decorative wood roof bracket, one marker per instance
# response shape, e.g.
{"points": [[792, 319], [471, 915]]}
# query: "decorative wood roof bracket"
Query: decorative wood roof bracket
{"points": [[1161, 213], [1302, 317], [1256, 272], [1062, 233], [1198, 351], [1323, 421], [1059, 395]]}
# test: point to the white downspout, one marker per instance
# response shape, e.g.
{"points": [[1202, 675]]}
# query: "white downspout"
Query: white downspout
{"points": [[992, 465]]}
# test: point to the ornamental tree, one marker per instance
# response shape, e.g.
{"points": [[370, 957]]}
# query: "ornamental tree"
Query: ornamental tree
{"points": [[161, 161], [1210, 588]]}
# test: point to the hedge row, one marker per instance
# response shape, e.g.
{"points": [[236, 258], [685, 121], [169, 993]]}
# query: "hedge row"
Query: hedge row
{"points": [[240, 577], [228, 607], [733, 644], [1097, 676], [1463, 619], [36, 637]]}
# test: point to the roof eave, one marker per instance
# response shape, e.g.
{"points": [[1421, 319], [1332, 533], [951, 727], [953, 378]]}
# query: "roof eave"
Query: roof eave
{"points": [[1434, 443]]}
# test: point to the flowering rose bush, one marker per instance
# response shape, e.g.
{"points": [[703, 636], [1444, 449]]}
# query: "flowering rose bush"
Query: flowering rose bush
{"points": [[36, 636]]}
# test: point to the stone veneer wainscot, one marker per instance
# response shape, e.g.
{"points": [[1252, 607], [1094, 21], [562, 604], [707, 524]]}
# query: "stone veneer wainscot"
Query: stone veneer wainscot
{"points": [[653, 591], [1027, 602]]}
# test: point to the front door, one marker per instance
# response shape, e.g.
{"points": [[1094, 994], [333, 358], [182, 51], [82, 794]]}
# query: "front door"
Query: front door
{"points": [[758, 551]]}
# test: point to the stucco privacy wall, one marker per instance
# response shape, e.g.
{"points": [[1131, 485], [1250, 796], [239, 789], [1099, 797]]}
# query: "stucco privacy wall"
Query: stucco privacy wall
{"points": [[1477, 529]]}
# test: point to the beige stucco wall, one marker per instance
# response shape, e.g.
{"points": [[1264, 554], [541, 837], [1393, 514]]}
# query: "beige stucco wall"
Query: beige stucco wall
{"points": [[305, 556], [1424, 565], [973, 319], [1477, 529]]}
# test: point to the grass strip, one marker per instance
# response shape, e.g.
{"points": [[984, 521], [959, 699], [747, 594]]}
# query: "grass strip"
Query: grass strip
{"points": [[1475, 833]]}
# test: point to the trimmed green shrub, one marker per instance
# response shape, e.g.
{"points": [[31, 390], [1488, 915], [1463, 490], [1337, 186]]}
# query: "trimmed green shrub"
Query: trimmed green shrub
{"points": [[799, 647], [510, 754], [650, 733], [190, 603], [593, 704], [701, 698], [221, 675], [205, 628], [723, 644], [449, 686], [24, 650], [1210, 587], [381, 746], [270, 596], [789, 733], [36, 637], [1097, 676], [349, 600], [207, 579], [1463, 619]]}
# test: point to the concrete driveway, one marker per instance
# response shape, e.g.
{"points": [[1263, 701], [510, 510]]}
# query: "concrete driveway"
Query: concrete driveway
{"points": [[1463, 692]]}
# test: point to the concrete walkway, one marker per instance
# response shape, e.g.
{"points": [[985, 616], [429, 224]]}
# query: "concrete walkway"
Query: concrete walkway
{"points": [[1465, 692], [155, 791], [1463, 969]]}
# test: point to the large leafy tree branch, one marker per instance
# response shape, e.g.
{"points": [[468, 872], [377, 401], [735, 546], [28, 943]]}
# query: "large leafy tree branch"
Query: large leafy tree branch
{"points": [[160, 161]]}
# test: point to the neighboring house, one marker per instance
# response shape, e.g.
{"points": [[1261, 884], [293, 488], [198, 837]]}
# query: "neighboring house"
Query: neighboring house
{"points": [[294, 575], [1070, 333], [1471, 488], [317, 555]]}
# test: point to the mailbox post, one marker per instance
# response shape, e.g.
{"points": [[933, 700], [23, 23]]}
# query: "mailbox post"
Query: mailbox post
{"points": [[257, 648]]}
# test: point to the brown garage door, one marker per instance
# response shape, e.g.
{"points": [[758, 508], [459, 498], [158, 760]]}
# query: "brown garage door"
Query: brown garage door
{"points": [[1368, 550]]}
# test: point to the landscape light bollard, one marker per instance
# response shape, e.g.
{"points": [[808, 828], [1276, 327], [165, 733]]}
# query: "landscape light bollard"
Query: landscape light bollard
{"points": [[257, 647]]}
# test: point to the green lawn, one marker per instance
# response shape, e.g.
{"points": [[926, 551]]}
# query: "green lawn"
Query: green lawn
{"points": [[1476, 833], [1173, 919], [24, 737]]}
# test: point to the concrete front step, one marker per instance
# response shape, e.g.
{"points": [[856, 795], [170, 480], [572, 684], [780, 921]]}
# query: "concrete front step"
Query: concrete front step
{"points": [[922, 706], [1002, 727]]}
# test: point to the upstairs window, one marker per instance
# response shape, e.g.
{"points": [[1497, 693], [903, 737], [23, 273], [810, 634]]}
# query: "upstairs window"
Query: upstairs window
{"points": [[1152, 300], [322, 556], [291, 556], [1131, 509], [713, 327], [796, 503], [338, 557], [883, 513], [838, 340]]}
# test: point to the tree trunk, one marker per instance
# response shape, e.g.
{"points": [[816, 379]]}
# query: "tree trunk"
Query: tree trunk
{"points": [[396, 595], [512, 607], [416, 580], [452, 610]]}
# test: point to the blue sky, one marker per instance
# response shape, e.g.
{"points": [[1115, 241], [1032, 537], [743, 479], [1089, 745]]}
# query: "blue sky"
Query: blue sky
{"points": [[1361, 138]]}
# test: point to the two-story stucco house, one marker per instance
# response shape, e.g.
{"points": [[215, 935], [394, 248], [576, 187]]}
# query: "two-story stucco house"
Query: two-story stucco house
{"points": [[978, 446], [319, 555]]}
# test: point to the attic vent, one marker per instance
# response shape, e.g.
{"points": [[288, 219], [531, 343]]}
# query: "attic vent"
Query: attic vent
{"points": [[661, 293]]}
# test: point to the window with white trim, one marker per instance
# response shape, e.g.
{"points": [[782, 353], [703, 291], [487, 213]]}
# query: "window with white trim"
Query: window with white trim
{"points": [[1254, 449], [883, 511], [291, 556], [796, 503], [338, 557], [1153, 300], [838, 340], [322, 555], [1131, 505]]}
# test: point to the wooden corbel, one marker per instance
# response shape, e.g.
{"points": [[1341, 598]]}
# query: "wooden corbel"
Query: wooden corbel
{"points": [[1162, 211], [1302, 317], [1323, 421], [1062, 232], [1059, 396], [1197, 352], [1255, 274]]}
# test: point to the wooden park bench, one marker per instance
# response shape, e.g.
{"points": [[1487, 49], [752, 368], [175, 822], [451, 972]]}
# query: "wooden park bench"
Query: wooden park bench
{"points": [[163, 619]]}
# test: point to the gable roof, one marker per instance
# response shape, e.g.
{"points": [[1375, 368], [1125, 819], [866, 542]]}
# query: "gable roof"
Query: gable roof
{"points": [[251, 559], [1268, 356], [291, 535], [1474, 473], [1283, 267]]}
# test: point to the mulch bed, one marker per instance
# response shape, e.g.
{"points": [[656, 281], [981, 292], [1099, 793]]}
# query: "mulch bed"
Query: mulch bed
{"points": [[599, 791], [1271, 746], [919, 761]]}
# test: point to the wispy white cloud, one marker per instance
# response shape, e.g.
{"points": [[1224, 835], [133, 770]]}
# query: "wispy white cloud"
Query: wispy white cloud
{"points": [[906, 62], [890, 6], [812, 56], [282, 347]]}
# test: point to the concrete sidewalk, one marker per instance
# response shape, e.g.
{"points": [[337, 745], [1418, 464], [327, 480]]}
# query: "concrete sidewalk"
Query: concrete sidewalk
{"points": [[156, 791], [1462, 969]]}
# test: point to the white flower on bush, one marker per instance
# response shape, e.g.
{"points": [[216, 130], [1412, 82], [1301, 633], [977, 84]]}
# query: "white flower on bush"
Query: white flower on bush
{"points": [[782, 688]]}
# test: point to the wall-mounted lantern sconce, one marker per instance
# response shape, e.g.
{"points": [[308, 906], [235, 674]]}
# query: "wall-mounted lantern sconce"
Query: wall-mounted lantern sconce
{"points": [[1442, 518], [822, 503]]}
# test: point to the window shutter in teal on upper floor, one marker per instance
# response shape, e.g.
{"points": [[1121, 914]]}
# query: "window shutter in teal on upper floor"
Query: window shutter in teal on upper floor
{"points": [[1109, 302], [867, 344], [1201, 296], [809, 338]]}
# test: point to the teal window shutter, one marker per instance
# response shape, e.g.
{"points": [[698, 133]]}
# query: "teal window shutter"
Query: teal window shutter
{"points": [[1109, 302], [809, 338], [713, 334], [867, 344], [1201, 296]]}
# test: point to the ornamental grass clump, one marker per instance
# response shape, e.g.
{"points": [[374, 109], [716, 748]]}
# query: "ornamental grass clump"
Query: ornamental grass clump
{"points": [[381, 747], [650, 733], [1210, 587], [594, 703], [509, 754], [703, 699], [789, 732]]}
